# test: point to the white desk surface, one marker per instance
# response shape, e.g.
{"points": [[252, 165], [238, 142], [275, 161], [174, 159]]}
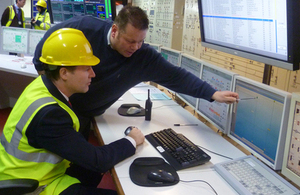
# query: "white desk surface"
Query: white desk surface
{"points": [[17, 65], [164, 114], [15, 74]]}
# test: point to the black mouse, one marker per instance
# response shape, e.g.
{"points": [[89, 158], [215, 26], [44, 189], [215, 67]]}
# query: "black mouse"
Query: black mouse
{"points": [[161, 176]]}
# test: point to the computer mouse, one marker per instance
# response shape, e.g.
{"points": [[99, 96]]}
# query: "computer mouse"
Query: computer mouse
{"points": [[160, 176], [23, 65], [133, 110]]}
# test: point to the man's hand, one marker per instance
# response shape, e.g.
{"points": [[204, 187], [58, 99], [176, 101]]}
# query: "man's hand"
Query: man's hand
{"points": [[227, 97], [33, 21], [137, 135]]}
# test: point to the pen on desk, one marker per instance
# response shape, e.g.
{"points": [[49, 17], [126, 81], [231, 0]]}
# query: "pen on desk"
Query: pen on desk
{"points": [[185, 124], [249, 98]]}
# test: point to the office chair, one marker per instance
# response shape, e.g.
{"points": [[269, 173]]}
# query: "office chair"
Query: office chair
{"points": [[18, 186]]}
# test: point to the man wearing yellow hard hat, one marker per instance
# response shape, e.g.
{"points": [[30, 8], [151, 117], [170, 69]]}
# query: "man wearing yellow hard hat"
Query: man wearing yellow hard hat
{"points": [[42, 18], [40, 139]]}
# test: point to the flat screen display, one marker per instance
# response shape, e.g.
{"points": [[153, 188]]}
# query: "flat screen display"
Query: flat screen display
{"points": [[265, 31], [259, 120], [221, 80]]}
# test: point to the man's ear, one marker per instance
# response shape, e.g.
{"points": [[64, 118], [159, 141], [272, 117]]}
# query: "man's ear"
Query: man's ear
{"points": [[114, 30], [63, 73]]}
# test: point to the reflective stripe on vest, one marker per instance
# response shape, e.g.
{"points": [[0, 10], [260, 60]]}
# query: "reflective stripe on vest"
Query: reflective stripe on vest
{"points": [[44, 25], [12, 147]]}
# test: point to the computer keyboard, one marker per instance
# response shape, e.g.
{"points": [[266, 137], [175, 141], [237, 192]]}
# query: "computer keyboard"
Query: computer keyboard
{"points": [[247, 175], [180, 152]]}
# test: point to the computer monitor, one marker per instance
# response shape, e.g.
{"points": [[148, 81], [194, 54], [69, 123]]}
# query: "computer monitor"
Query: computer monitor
{"points": [[15, 39], [58, 17], [171, 55], [291, 159], [56, 6], [67, 7], [34, 38], [259, 120], [68, 16], [216, 113], [99, 8], [62, 10], [155, 46], [78, 9], [264, 31], [91, 9], [193, 65]]}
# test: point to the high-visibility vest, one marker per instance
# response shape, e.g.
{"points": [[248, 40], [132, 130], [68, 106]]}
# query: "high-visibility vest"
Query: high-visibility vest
{"points": [[20, 160], [45, 19], [12, 15]]}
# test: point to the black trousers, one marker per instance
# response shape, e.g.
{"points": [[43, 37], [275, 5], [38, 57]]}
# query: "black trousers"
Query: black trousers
{"points": [[77, 189], [89, 182]]}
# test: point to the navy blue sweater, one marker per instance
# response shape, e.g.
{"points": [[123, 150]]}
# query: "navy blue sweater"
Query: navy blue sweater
{"points": [[116, 74]]}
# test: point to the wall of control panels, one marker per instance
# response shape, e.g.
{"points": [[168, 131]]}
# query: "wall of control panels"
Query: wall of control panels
{"points": [[190, 41], [165, 21], [65, 9]]}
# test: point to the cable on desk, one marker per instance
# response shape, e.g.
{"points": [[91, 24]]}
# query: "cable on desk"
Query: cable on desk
{"points": [[215, 152], [197, 180]]}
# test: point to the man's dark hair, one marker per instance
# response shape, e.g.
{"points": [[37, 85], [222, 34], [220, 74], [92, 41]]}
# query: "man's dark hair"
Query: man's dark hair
{"points": [[132, 15], [52, 72]]}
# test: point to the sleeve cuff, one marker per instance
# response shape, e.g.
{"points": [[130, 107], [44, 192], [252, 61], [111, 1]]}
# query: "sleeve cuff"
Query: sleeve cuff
{"points": [[132, 141], [38, 22]]}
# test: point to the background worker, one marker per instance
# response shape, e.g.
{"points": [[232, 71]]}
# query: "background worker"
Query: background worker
{"points": [[42, 18], [125, 62], [13, 15], [40, 139]]}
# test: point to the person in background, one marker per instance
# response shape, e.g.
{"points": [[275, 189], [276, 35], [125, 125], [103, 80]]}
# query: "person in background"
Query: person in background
{"points": [[13, 15], [40, 139], [126, 61], [42, 18]]}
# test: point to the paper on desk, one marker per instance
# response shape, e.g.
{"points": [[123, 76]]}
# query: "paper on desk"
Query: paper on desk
{"points": [[141, 84], [142, 94]]}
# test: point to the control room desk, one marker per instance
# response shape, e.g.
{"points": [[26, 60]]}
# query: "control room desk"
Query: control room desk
{"points": [[15, 74], [110, 127]]}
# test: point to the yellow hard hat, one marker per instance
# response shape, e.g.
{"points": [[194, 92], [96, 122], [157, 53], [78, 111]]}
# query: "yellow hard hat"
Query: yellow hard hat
{"points": [[68, 47], [41, 3]]}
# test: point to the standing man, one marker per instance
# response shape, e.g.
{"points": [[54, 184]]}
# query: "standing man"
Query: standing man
{"points": [[42, 18], [40, 139], [125, 62], [13, 15]]}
